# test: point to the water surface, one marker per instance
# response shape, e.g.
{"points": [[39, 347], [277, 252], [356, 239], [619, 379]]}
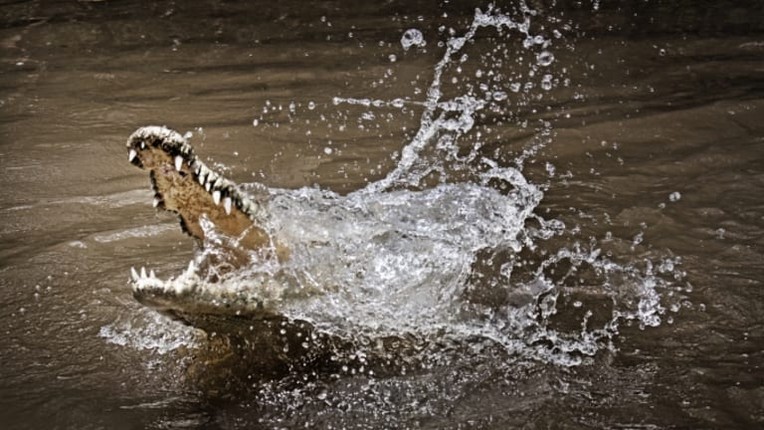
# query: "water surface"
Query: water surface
{"points": [[572, 239]]}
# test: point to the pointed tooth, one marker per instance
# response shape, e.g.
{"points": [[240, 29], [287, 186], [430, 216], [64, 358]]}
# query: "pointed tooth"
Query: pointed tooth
{"points": [[227, 205], [178, 162], [143, 272], [131, 155], [134, 274], [156, 202], [191, 268], [216, 197], [143, 145], [207, 186], [152, 275]]}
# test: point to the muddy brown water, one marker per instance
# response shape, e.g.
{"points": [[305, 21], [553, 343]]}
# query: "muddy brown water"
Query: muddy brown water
{"points": [[648, 144]]}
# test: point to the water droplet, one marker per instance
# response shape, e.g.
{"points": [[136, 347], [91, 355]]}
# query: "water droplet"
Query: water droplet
{"points": [[544, 58], [392, 58], [412, 37], [675, 196], [546, 82], [311, 105]]}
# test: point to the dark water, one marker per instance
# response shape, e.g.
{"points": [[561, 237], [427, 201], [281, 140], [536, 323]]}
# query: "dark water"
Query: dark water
{"points": [[647, 140]]}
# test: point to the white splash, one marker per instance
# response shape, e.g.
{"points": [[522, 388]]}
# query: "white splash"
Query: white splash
{"points": [[151, 332], [399, 257]]}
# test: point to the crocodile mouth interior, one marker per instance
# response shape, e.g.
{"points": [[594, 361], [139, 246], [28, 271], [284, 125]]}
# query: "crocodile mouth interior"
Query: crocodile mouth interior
{"points": [[204, 201]]}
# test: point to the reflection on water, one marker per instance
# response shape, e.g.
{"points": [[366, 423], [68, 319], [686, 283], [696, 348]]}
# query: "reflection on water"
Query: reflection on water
{"points": [[544, 215]]}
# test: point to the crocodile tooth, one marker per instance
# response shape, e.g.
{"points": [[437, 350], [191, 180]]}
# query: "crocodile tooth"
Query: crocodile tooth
{"points": [[134, 274], [201, 176], [143, 272], [156, 202], [132, 155], [216, 197], [191, 268], [178, 162], [227, 205], [152, 275], [207, 185]]}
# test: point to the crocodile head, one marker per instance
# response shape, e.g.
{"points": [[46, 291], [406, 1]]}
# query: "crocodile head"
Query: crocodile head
{"points": [[211, 209]]}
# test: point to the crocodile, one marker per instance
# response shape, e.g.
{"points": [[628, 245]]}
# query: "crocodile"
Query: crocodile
{"points": [[206, 203]]}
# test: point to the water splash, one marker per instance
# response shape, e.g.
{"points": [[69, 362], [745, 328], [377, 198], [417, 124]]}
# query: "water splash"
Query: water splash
{"points": [[149, 332], [466, 258], [456, 115]]}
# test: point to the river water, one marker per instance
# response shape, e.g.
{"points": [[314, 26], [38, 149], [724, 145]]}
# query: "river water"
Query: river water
{"points": [[541, 215]]}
